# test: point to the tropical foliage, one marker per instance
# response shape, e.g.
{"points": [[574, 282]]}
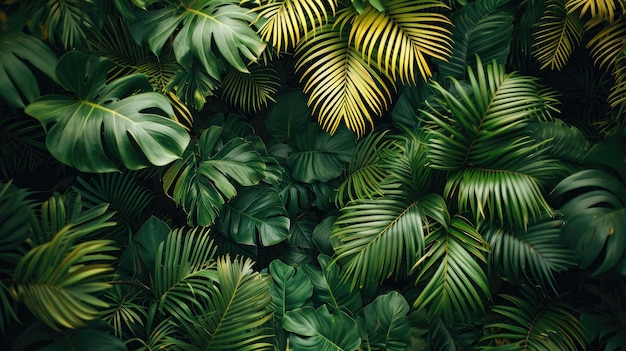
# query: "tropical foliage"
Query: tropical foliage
{"points": [[312, 175]]}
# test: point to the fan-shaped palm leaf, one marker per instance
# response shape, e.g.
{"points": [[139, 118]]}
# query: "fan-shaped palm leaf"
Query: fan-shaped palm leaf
{"points": [[237, 311], [284, 22], [343, 88], [383, 237], [59, 280], [595, 219], [533, 255], [600, 9], [68, 21], [559, 34], [534, 324], [481, 28], [250, 91], [184, 273], [203, 180], [401, 37], [455, 282], [364, 173], [496, 169]]}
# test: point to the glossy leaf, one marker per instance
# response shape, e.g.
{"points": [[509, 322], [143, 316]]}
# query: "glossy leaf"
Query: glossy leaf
{"points": [[133, 135], [328, 287], [206, 176], [255, 216], [292, 288], [386, 323], [320, 330]]}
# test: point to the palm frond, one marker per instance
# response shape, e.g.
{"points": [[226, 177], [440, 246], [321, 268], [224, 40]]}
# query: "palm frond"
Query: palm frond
{"points": [[59, 280], [598, 9], [383, 237], [125, 314], [22, 145], [561, 141], [455, 283], [534, 255], [343, 88], [608, 44], [251, 91], [604, 318], [183, 273], [125, 196], [400, 38], [529, 322], [559, 34], [237, 311], [364, 173], [479, 135], [283, 23]]}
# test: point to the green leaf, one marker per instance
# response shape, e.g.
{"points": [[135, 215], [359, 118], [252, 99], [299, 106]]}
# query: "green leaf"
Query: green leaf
{"points": [[202, 26], [292, 288], [252, 91], [287, 116], [94, 336], [256, 211], [17, 81], [455, 283], [59, 281], [594, 218], [203, 180], [140, 256], [386, 323], [107, 124], [319, 330], [16, 216], [480, 28], [318, 156], [322, 235], [328, 287], [529, 322], [236, 314]]}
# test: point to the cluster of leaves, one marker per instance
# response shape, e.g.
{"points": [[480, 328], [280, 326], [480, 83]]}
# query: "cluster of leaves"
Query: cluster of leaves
{"points": [[164, 183]]}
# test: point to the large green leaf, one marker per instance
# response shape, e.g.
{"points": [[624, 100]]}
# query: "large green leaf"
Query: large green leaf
{"points": [[480, 28], [237, 312], [534, 255], [183, 273], [107, 123], [455, 283], [255, 212], [318, 156], [138, 260], [531, 323], [16, 79], [385, 322], [383, 237], [203, 180], [594, 217], [199, 27], [287, 116], [292, 288], [479, 134], [320, 330], [328, 288], [59, 281]]}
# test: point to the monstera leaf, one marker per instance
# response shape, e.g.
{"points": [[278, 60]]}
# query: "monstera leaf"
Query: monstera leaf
{"points": [[257, 210], [203, 26], [321, 330], [107, 124], [203, 180], [16, 78]]}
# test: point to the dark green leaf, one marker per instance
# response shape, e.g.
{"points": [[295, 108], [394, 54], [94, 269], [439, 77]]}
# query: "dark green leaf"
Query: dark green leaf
{"points": [[386, 323], [319, 330]]}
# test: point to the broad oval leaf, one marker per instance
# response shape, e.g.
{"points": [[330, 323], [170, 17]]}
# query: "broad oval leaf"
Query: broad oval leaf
{"points": [[319, 330], [256, 211], [320, 156], [16, 78], [204, 179], [287, 116], [386, 323], [292, 288], [107, 124]]}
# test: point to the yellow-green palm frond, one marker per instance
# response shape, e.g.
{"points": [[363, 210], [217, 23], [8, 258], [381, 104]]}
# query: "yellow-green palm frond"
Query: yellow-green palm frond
{"points": [[402, 37], [607, 45], [599, 9], [559, 34], [250, 91], [285, 22], [342, 87]]}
